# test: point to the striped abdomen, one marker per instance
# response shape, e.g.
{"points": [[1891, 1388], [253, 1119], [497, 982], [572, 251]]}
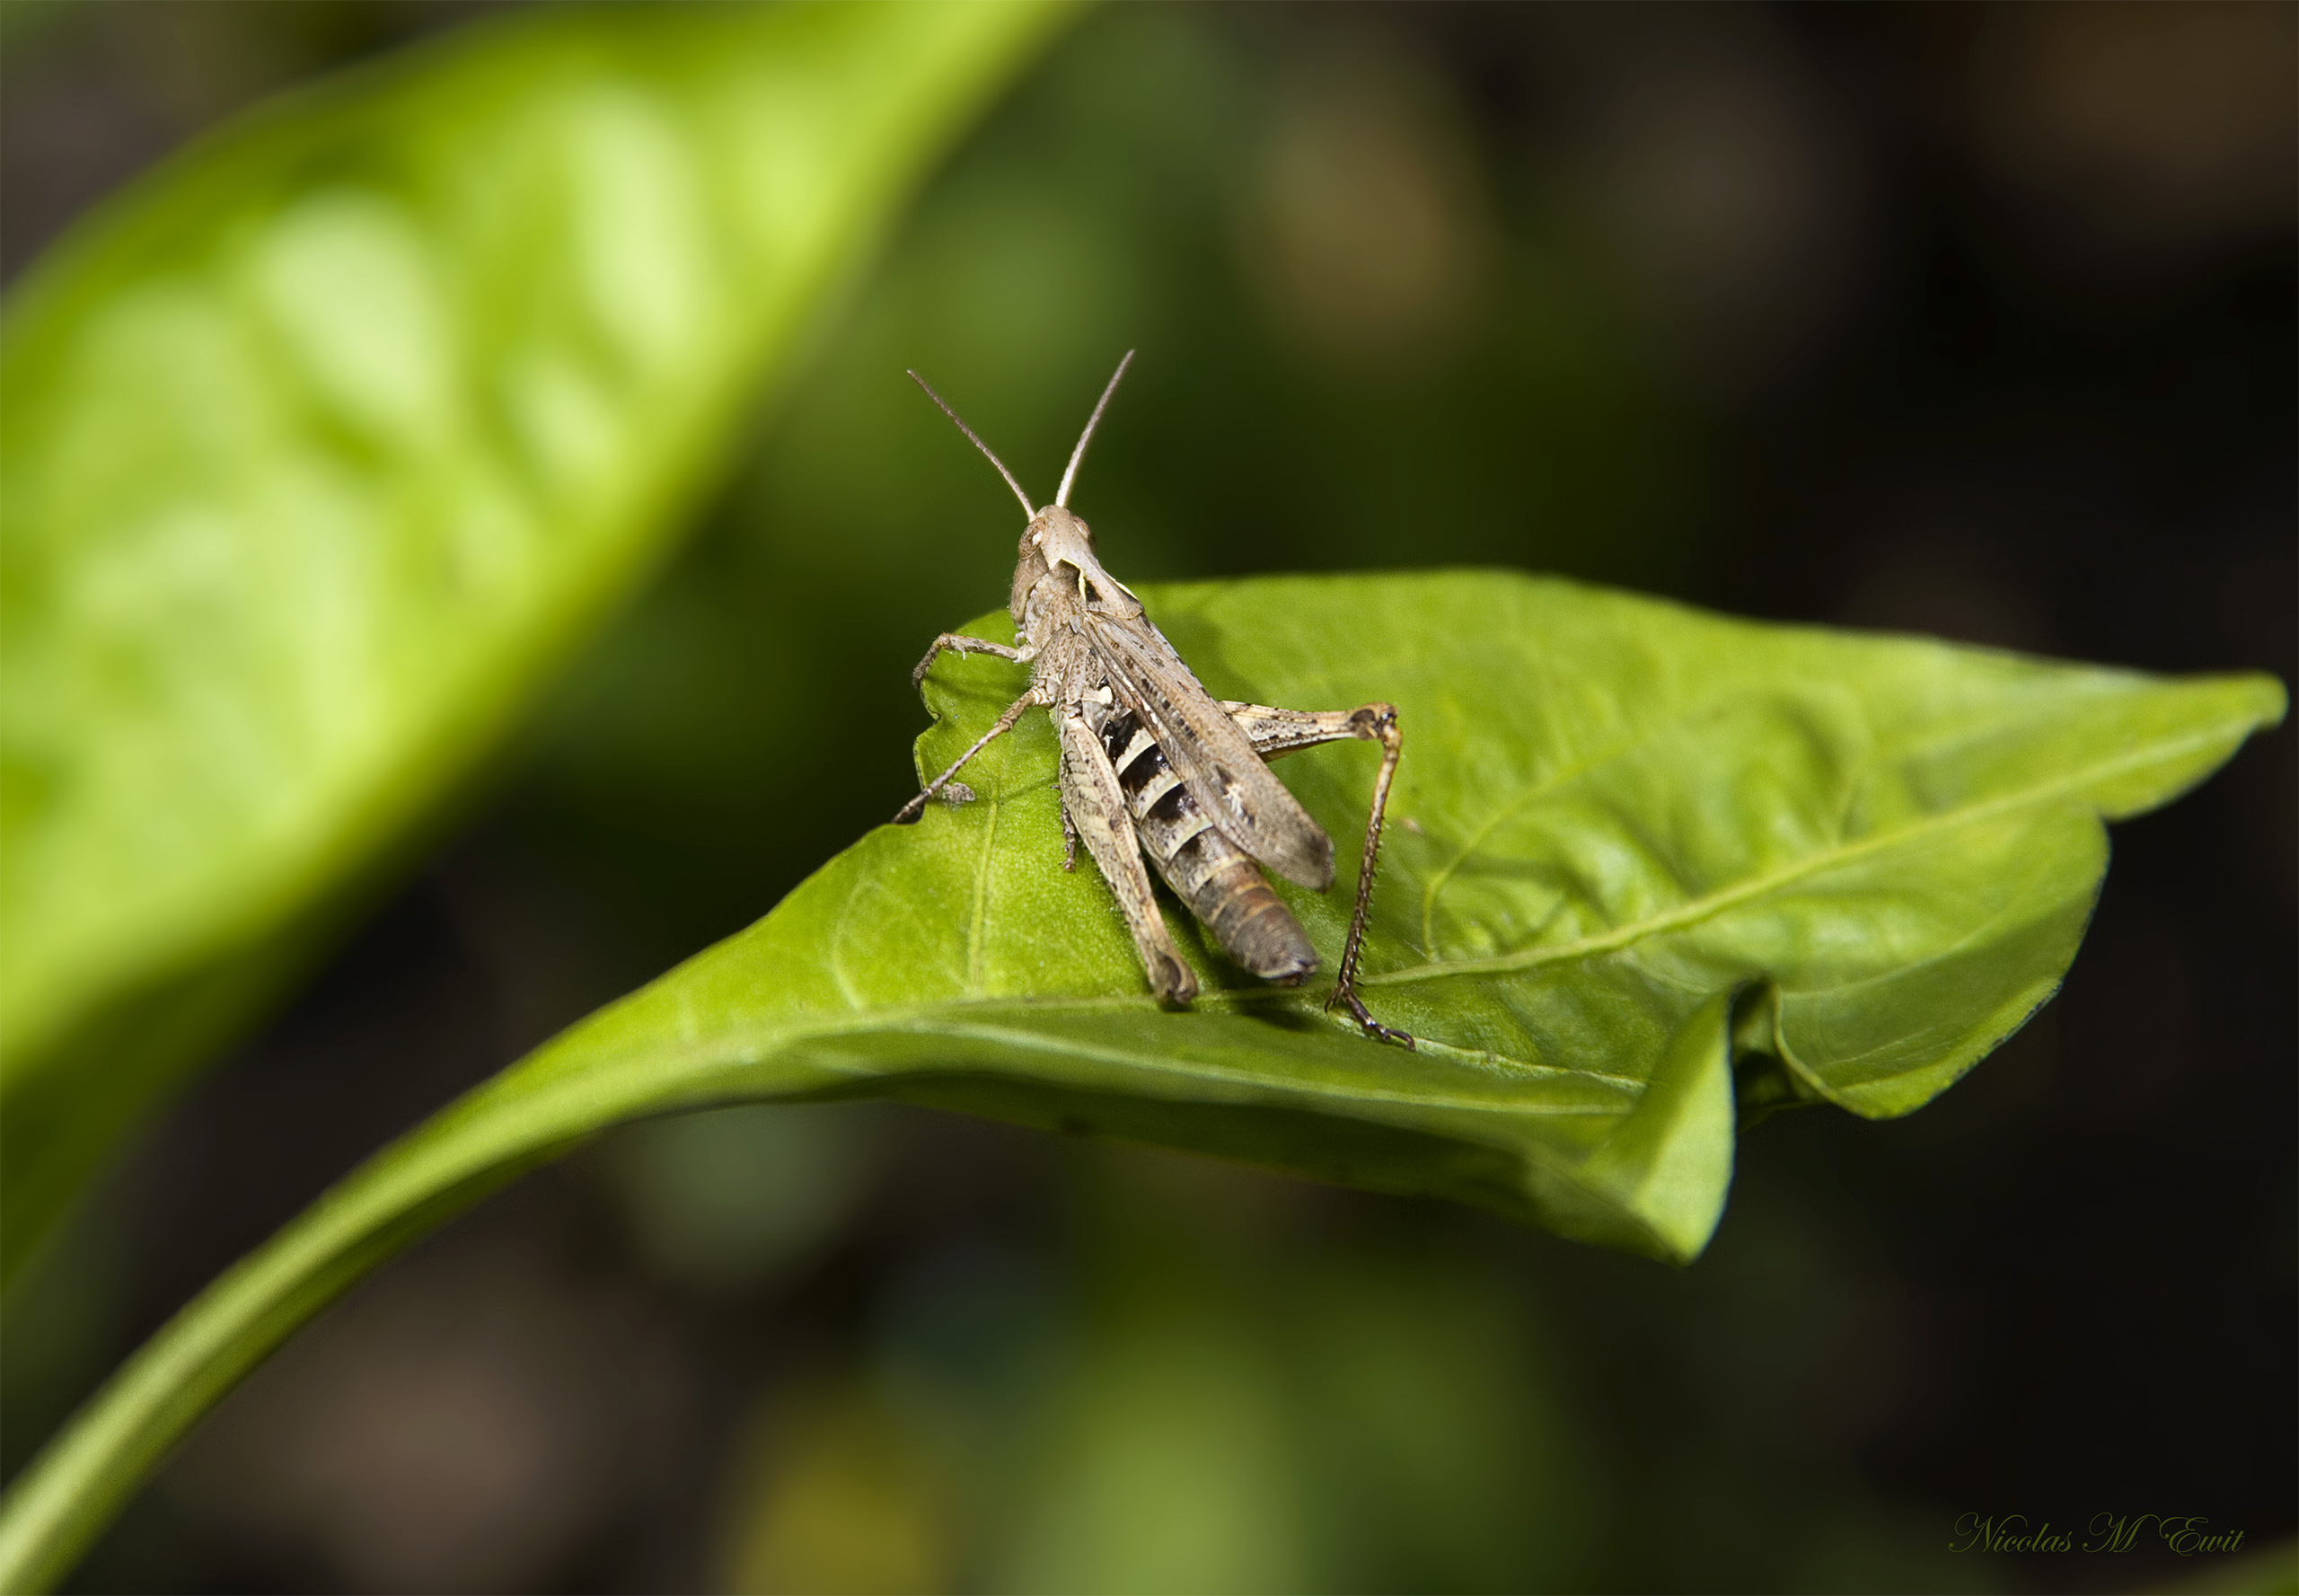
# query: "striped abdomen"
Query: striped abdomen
{"points": [[1218, 880]]}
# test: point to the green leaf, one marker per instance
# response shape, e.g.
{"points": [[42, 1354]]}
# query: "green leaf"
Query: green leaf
{"points": [[1625, 834], [328, 441]]}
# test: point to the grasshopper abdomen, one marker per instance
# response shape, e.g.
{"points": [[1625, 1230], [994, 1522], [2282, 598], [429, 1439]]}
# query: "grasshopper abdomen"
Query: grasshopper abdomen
{"points": [[1218, 880]]}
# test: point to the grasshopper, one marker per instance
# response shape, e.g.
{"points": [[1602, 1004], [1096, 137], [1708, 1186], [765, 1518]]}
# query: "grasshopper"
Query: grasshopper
{"points": [[1153, 764]]}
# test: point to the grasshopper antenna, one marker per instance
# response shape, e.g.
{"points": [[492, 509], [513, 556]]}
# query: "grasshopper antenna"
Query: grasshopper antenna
{"points": [[1027, 508], [1078, 456]]}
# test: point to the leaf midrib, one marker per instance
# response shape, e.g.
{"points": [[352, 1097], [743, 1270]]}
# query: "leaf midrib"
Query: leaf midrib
{"points": [[753, 1045]]}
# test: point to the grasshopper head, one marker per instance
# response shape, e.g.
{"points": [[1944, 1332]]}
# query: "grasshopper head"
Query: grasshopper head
{"points": [[1062, 539]]}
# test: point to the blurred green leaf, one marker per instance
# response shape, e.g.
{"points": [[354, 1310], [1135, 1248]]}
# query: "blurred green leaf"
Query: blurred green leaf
{"points": [[1620, 825], [330, 440]]}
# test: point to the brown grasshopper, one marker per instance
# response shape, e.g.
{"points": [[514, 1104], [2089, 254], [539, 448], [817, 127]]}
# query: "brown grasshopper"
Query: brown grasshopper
{"points": [[1151, 763]]}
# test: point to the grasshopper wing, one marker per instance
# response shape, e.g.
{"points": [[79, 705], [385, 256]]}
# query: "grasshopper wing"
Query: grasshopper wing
{"points": [[1215, 760]]}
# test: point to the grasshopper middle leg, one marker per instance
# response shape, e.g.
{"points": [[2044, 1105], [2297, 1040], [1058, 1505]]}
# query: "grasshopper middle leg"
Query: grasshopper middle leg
{"points": [[1274, 731]]}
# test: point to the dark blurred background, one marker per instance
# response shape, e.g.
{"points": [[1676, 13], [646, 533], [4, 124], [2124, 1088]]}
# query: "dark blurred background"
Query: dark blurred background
{"points": [[1974, 321]]}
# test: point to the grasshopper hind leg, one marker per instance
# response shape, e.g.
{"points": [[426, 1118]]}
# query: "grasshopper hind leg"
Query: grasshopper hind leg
{"points": [[1274, 731]]}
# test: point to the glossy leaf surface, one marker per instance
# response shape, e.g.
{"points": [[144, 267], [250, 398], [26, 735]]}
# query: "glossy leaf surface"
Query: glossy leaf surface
{"points": [[1625, 834], [328, 440]]}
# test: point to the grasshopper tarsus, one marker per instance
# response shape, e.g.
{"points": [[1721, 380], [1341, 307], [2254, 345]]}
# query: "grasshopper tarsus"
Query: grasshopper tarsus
{"points": [[1347, 997]]}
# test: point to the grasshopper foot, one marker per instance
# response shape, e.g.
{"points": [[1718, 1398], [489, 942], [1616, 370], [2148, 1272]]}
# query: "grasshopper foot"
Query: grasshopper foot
{"points": [[1345, 997], [954, 794]]}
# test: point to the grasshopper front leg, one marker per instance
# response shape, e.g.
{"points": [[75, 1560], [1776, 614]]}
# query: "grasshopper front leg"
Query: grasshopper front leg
{"points": [[959, 643], [1274, 731]]}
